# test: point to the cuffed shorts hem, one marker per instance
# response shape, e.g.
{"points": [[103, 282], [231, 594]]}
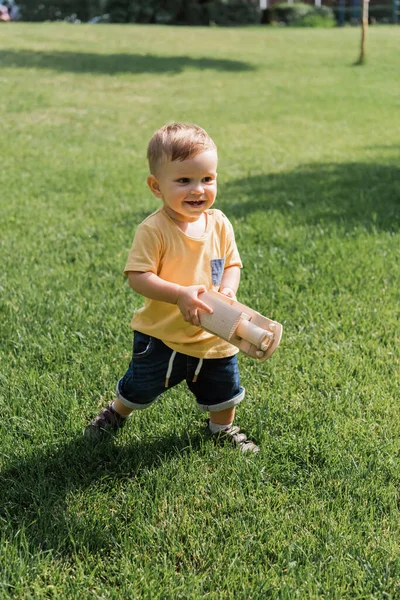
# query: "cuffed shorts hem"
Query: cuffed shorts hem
{"points": [[223, 405], [132, 405], [154, 367]]}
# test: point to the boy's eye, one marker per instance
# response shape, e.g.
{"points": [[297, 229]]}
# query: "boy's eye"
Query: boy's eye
{"points": [[207, 179], [183, 180]]}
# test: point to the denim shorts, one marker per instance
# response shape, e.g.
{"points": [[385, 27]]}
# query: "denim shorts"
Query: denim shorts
{"points": [[154, 368]]}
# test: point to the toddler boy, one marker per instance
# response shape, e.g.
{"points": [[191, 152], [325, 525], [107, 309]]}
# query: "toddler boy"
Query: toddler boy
{"points": [[181, 250]]}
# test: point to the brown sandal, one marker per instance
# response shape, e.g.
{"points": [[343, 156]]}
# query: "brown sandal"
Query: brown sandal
{"points": [[236, 437]]}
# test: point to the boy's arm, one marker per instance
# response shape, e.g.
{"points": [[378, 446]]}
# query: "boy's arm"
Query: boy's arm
{"points": [[153, 287], [186, 297], [230, 281]]}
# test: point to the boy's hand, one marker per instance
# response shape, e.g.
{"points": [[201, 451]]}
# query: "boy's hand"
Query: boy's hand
{"points": [[189, 303], [227, 291]]}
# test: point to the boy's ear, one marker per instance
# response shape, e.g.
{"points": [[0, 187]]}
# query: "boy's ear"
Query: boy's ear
{"points": [[153, 184]]}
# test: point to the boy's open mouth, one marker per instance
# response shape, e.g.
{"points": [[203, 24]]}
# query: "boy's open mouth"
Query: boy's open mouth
{"points": [[195, 202]]}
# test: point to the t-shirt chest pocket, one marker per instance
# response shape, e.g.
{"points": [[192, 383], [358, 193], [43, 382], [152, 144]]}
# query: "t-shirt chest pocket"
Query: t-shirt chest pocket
{"points": [[217, 269]]}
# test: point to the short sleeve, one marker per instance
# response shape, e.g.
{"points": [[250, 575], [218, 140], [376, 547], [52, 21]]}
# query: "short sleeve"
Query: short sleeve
{"points": [[232, 256], [145, 252]]}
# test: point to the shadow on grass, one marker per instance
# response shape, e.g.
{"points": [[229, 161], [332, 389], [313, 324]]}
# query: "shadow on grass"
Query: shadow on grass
{"points": [[348, 195], [33, 491], [111, 64]]}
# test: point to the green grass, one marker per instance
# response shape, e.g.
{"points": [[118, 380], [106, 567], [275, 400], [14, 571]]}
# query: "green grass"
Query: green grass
{"points": [[309, 175]]}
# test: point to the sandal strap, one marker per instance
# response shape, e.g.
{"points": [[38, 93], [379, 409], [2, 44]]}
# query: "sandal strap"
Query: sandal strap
{"points": [[237, 437], [249, 446]]}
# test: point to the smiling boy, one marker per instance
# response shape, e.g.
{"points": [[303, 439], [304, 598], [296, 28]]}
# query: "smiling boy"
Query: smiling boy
{"points": [[180, 251]]}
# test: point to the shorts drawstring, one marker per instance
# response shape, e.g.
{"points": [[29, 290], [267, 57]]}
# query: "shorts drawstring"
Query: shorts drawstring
{"points": [[197, 371], [169, 370], [171, 364]]}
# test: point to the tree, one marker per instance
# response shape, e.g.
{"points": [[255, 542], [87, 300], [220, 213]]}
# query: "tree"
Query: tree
{"points": [[364, 29]]}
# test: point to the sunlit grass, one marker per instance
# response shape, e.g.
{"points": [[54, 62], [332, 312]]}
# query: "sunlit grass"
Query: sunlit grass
{"points": [[309, 176]]}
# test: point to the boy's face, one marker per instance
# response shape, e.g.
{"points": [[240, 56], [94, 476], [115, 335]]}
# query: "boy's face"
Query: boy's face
{"points": [[187, 188]]}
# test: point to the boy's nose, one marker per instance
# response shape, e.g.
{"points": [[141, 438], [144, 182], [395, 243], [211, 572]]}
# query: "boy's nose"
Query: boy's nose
{"points": [[197, 188]]}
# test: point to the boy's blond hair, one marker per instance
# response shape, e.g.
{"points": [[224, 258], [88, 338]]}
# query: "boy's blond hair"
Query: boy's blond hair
{"points": [[177, 141]]}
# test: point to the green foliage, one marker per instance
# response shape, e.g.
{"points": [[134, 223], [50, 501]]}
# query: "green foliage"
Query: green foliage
{"points": [[322, 16], [289, 13], [118, 10], [234, 12], [192, 12], [196, 13], [141, 11], [300, 14], [146, 11], [169, 12], [378, 13], [50, 10], [381, 12]]}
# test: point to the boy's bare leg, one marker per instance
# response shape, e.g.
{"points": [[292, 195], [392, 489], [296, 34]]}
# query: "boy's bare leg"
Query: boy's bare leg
{"points": [[121, 409], [223, 417]]}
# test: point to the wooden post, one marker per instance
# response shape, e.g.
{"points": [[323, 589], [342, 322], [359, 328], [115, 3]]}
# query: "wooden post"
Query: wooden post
{"points": [[364, 29]]}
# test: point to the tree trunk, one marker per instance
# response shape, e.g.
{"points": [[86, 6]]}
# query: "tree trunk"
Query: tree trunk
{"points": [[364, 29]]}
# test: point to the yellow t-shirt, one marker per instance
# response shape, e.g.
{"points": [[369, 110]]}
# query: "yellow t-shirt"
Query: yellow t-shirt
{"points": [[161, 247]]}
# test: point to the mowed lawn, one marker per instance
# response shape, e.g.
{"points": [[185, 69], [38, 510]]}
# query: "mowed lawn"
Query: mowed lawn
{"points": [[309, 175]]}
